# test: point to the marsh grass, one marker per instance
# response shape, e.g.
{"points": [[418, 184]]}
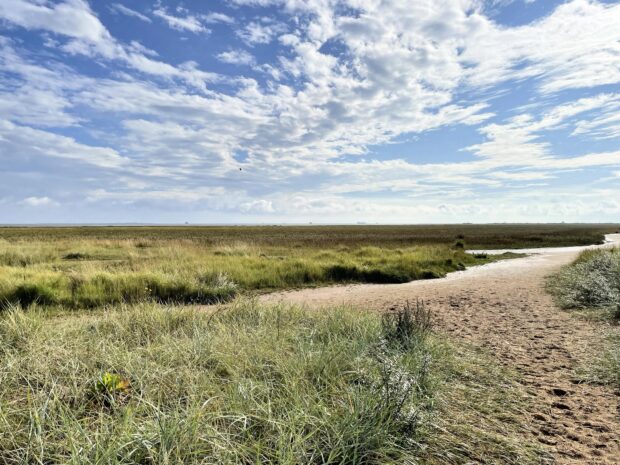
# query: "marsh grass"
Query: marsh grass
{"points": [[150, 384], [97, 272]]}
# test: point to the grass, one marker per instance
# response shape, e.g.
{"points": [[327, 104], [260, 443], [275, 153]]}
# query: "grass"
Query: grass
{"points": [[91, 273], [97, 266], [592, 285], [592, 281], [489, 236], [152, 384]]}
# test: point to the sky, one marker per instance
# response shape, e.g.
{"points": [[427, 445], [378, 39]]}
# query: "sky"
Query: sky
{"points": [[297, 111]]}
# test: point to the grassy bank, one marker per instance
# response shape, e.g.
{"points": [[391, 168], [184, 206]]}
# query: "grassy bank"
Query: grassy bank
{"points": [[95, 272], [592, 285], [150, 384], [92, 267]]}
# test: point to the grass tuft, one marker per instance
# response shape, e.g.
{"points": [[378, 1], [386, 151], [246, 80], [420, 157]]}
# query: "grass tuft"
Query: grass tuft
{"points": [[592, 283]]}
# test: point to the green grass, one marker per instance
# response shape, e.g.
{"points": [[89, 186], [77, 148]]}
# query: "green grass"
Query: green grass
{"points": [[591, 285], [150, 384], [95, 272], [97, 266]]}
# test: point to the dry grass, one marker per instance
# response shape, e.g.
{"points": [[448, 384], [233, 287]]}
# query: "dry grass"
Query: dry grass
{"points": [[148, 384], [592, 284]]}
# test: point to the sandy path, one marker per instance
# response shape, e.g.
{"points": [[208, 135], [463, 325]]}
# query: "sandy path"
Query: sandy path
{"points": [[503, 307]]}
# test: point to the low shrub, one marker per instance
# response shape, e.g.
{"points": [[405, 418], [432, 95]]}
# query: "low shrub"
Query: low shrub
{"points": [[408, 325], [592, 281]]}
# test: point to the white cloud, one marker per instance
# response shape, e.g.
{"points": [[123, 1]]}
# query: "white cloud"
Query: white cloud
{"points": [[342, 82], [71, 17], [181, 23], [26, 142], [215, 17], [576, 46], [39, 202], [521, 140], [237, 57], [257, 32], [122, 9], [258, 206]]}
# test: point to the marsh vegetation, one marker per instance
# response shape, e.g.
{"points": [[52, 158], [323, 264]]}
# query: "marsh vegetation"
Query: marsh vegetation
{"points": [[91, 267]]}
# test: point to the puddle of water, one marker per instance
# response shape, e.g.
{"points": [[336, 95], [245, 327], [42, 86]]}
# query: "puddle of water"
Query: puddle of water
{"points": [[611, 240]]}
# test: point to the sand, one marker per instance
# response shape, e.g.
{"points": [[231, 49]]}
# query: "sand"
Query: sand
{"points": [[504, 308]]}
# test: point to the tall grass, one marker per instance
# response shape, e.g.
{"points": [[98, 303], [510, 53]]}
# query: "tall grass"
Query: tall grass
{"points": [[592, 283], [92, 273], [150, 384]]}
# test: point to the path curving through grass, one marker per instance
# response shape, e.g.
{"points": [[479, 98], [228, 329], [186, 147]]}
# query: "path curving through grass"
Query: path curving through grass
{"points": [[504, 308]]}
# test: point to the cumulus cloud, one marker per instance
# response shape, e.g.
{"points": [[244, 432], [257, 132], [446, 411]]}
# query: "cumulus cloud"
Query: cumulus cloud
{"points": [[340, 83], [260, 32], [237, 57]]}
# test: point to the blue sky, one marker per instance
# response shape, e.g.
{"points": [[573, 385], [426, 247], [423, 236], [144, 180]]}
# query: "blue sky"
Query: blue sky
{"points": [[330, 111]]}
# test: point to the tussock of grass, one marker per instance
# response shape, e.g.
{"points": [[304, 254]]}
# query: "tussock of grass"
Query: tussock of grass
{"points": [[592, 283]]}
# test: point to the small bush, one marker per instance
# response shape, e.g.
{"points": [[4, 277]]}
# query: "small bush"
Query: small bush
{"points": [[592, 281], [407, 326]]}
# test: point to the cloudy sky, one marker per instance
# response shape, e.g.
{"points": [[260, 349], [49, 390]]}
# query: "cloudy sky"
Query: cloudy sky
{"points": [[331, 111]]}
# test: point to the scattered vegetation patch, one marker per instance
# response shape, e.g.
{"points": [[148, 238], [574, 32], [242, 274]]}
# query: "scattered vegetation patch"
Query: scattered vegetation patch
{"points": [[105, 272], [247, 384]]}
